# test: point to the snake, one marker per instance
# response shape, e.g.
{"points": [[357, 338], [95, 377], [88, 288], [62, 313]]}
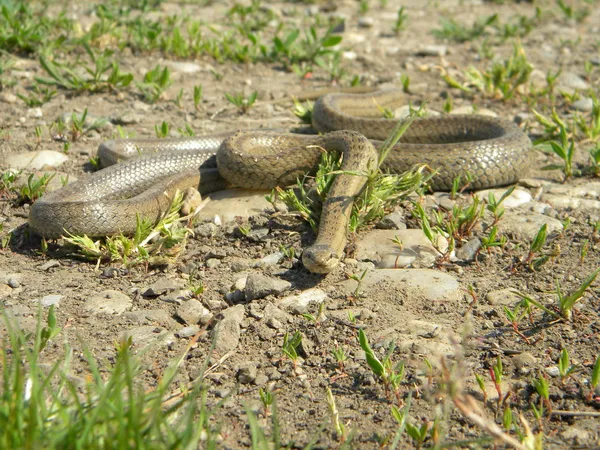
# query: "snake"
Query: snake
{"points": [[492, 151]]}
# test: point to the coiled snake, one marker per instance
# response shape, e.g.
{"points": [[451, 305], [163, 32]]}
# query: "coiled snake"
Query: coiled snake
{"points": [[494, 151]]}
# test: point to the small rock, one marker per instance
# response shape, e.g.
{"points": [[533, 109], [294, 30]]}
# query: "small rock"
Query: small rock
{"points": [[553, 371], [259, 286], [524, 362], [393, 221], [148, 334], [211, 263], [232, 204], [272, 322], [34, 160], [468, 251], [366, 22], [183, 66], [49, 265], [108, 302], [517, 198], [576, 435], [227, 332], [584, 104], [504, 297], [269, 260], [571, 80], [188, 331], [7, 97], [206, 230], [246, 373], [14, 281], [298, 304], [523, 117], [5, 291], [193, 312], [469, 109], [35, 113], [432, 50], [163, 286]]}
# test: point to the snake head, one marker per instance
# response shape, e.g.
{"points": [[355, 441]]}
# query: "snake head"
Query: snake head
{"points": [[320, 258]]}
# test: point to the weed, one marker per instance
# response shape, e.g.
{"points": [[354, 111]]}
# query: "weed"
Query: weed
{"points": [[340, 356], [401, 19], [242, 102], [457, 32], [565, 369], [503, 79], [358, 279], [567, 302], [156, 82], [570, 13], [495, 206], [535, 247], [197, 96], [46, 408], [35, 188], [38, 96], [162, 130], [339, 427], [290, 346], [103, 74], [291, 51], [391, 375]]}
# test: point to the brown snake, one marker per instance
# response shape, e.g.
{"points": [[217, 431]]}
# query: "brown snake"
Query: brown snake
{"points": [[494, 151]]}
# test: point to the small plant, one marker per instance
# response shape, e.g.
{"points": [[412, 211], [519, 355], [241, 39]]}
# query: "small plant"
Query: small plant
{"points": [[391, 375], [35, 188], [496, 374], [594, 379], [339, 354], [266, 398], [339, 427], [242, 102], [38, 96], [457, 32], [162, 130], [80, 126], [570, 13], [567, 302], [401, 19], [156, 82], [495, 206], [290, 346], [535, 247], [565, 369], [358, 279], [543, 389], [565, 150], [197, 96]]}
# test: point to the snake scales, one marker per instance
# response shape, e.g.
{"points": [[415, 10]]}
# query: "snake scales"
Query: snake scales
{"points": [[496, 152]]}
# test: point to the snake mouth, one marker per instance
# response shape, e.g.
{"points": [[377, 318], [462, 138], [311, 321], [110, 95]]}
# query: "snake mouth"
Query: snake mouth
{"points": [[320, 258]]}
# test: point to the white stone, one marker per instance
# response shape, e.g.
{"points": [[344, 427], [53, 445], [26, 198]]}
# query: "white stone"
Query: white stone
{"points": [[34, 160]]}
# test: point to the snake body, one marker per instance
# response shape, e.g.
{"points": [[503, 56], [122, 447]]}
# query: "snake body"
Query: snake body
{"points": [[494, 151]]}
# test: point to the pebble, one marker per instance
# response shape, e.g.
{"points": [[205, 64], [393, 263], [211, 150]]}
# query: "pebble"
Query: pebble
{"points": [[234, 204], [576, 435], [392, 221], [188, 331], [5, 291], [469, 109], [504, 297], [227, 332], [572, 196], [108, 302], [553, 371], [377, 246], [259, 286], [524, 362], [523, 117], [183, 66], [269, 260], [149, 334], [8, 97], [583, 104], [193, 312], [526, 226], [298, 304], [571, 80], [246, 373], [517, 198], [34, 160], [366, 22], [273, 312], [432, 50], [468, 251], [207, 229], [211, 263], [35, 113], [163, 286], [428, 284]]}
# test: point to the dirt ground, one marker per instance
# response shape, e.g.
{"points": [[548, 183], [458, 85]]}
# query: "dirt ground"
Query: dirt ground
{"points": [[478, 327]]}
